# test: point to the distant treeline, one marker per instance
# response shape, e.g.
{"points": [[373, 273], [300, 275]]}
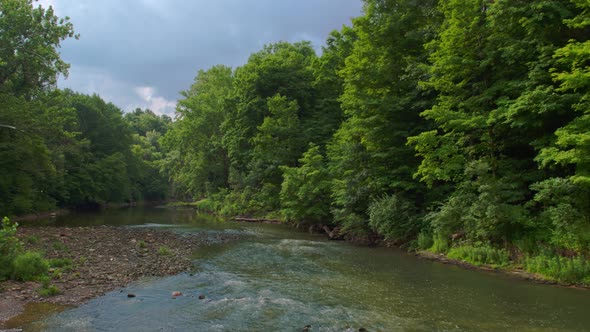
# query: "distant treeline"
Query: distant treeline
{"points": [[61, 148]]}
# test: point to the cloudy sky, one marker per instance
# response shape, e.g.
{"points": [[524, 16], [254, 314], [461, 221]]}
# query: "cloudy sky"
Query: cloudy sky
{"points": [[141, 53]]}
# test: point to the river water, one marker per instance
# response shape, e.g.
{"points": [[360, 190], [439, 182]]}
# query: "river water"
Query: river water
{"points": [[279, 279]]}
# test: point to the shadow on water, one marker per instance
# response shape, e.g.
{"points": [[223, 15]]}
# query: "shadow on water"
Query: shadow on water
{"points": [[279, 279]]}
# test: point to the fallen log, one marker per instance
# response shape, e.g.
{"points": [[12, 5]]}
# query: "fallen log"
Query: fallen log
{"points": [[259, 220]]}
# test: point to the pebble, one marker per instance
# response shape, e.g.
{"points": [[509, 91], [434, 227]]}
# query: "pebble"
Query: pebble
{"points": [[201, 297]]}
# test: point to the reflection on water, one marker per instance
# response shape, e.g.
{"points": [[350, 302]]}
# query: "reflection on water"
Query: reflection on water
{"points": [[279, 279]]}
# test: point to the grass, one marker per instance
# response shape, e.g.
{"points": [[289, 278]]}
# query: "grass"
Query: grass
{"points": [[164, 251], [49, 290], [440, 244], [570, 270], [65, 264], [32, 239], [424, 241], [480, 255], [59, 246]]}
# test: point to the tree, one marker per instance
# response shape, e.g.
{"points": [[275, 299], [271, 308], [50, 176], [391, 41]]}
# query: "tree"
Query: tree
{"points": [[305, 190], [382, 102], [30, 37], [496, 106], [197, 161]]}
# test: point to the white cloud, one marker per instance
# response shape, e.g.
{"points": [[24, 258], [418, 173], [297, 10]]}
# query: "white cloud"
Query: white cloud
{"points": [[91, 80], [158, 104]]}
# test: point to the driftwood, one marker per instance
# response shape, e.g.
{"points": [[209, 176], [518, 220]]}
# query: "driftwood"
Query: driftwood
{"points": [[265, 221], [333, 234]]}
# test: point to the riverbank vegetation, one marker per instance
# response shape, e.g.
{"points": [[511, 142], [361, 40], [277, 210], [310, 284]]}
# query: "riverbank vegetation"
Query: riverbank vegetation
{"points": [[451, 126], [458, 127]]}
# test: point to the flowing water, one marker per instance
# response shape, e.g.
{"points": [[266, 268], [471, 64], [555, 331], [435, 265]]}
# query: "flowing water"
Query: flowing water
{"points": [[278, 279]]}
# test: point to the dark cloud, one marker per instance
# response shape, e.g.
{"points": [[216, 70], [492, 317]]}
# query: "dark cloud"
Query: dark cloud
{"points": [[128, 45]]}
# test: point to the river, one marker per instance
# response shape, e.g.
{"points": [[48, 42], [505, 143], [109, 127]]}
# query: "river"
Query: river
{"points": [[279, 279]]}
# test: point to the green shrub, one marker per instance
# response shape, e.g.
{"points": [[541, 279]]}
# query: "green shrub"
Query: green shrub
{"points": [[164, 251], [10, 246], [65, 264], [206, 205], [141, 244], [49, 290], [424, 241], [574, 270], [29, 266], [440, 244], [479, 255], [394, 217]]}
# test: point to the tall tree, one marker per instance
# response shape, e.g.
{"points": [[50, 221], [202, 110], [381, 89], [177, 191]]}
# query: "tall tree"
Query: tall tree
{"points": [[30, 37], [197, 161], [496, 104], [382, 102]]}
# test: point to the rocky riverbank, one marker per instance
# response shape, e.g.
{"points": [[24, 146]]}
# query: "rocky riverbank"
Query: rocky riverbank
{"points": [[102, 259]]}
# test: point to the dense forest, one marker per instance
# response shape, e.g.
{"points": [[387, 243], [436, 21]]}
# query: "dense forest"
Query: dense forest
{"points": [[459, 127]]}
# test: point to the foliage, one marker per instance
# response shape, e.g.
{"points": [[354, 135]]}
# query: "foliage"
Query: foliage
{"points": [[480, 255], [28, 266], [424, 122], [10, 246], [424, 241], [305, 190], [29, 59], [394, 217], [440, 244], [48, 290], [196, 160], [572, 270], [65, 264]]}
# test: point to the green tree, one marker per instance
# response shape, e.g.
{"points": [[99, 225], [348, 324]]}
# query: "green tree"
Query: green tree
{"points": [[279, 69], [30, 36], [496, 106], [197, 161], [305, 190], [382, 102]]}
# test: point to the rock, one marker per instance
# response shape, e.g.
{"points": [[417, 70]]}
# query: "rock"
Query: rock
{"points": [[362, 329], [201, 297], [306, 328], [176, 293], [130, 295]]}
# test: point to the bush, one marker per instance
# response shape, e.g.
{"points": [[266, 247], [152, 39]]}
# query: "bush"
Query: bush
{"points": [[440, 244], [9, 247], [29, 266], [49, 290], [394, 217], [479, 255], [574, 270], [206, 205], [424, 241], [65, 263]]}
